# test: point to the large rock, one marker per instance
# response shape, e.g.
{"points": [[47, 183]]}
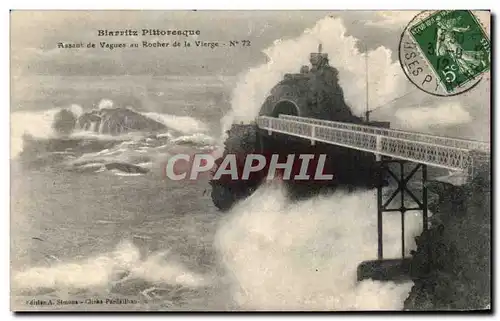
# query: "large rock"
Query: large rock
{"points": [[115, 121]]}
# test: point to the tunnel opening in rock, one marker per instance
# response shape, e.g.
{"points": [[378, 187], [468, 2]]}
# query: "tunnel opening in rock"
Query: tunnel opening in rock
{"points": [[285, 107]]}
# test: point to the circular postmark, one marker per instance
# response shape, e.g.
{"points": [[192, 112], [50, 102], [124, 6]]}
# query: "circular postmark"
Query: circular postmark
{"points": [[446, 52]]}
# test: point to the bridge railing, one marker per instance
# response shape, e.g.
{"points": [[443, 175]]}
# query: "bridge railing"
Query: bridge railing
{"points": [[380, 143], [413, 136]]}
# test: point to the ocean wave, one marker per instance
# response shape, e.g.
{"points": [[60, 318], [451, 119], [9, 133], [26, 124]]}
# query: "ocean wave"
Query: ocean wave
{"points": [[197, 139], [106, 271], [183, 124], [88, 154], [34, 124], [304, 255], [117, 172]]}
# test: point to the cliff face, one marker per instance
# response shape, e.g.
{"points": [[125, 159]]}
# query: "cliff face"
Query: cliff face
{"points": [[241, 141], [456, 274]]}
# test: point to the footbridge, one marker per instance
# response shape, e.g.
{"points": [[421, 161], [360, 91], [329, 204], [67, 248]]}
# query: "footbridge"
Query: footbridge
{"points": [[451, 153], [412, 151]]}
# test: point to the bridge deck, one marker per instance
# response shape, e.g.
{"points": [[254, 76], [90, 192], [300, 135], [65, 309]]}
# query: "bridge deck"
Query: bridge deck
{"points": [[450, 153]]}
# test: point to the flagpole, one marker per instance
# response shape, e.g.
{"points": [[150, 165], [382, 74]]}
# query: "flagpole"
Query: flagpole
{"points": [[367, 113]]}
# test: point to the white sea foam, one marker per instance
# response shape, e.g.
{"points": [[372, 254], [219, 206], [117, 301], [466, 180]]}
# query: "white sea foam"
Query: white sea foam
{"points": [[102, 271], [303, 256], [183, 124]]}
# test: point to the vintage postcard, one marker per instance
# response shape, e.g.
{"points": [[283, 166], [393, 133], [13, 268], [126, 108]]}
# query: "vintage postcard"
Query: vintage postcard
{"points": [[250, 160]]}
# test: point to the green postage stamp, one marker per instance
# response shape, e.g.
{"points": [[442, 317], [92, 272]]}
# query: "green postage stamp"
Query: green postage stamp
{"points": [[455, 45]]}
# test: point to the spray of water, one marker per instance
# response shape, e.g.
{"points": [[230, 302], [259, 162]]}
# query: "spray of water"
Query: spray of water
{"points": [[304, 255], [105, 103], [35, 124], [386, 80], [77, 110], [183, 124]]}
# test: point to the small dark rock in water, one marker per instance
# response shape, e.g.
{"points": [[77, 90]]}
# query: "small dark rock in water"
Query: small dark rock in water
{"points": [[64, 122], [127, 168]]}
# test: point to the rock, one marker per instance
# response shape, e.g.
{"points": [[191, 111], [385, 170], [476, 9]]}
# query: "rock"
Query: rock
{"points": [[64, 122], [451, 266], [127, 168], [115, 121]]}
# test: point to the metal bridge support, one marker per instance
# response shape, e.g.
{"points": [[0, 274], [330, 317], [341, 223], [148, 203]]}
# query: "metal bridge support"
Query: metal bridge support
{"points": [[407, 171], [396, 269]]}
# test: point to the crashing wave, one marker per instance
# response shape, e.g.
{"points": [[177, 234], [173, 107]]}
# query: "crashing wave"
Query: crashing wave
{"points": [[194, 140]]}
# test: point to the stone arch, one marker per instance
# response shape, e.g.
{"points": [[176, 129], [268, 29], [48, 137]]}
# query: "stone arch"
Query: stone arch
{"points": [[286, 107]]}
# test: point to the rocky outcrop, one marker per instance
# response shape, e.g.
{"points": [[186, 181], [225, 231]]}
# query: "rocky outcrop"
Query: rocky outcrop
{"points": [[451, 266], [315, 94], [241, 140], [110, 121], [115, 121]]}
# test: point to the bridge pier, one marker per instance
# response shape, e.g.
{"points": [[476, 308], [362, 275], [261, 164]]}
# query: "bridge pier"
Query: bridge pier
{"points": [[396, 269], [403, 180]]}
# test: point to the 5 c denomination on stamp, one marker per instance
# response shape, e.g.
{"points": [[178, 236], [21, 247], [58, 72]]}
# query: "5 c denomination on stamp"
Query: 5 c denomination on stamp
{"points": [[445, 52]]}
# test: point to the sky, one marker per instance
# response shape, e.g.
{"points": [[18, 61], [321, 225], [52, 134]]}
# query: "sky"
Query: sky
{"points": [[35, 34]]}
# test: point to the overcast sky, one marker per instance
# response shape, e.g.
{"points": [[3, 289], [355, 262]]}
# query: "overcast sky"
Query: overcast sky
{"points": [[34, 38]]}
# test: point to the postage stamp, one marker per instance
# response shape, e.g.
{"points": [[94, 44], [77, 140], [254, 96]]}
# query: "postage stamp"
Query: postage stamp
{"points": [[454, 45]]}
